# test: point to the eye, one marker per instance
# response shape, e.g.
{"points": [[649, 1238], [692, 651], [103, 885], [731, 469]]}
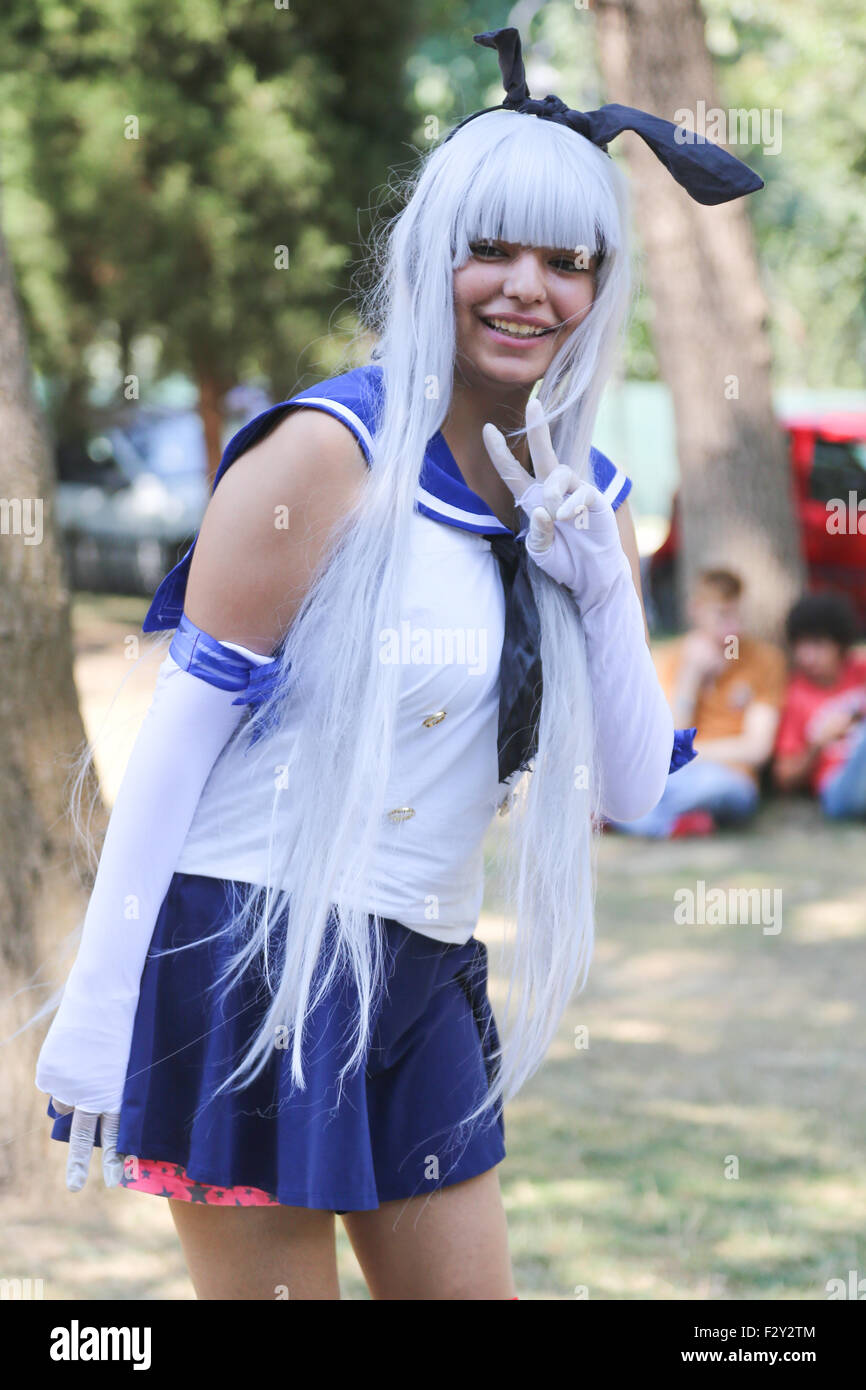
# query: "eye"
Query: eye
{"points": [[568, 263], [488, 251], [483, 250]]}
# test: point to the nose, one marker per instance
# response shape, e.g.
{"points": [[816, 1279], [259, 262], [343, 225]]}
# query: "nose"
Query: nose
{"points": [[523, 278]]}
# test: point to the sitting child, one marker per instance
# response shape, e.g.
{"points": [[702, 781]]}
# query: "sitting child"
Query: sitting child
{"points": [[730, 687], [821, 744]]}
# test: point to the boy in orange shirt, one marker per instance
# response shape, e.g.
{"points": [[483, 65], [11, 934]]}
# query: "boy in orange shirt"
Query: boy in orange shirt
{"points": [[731, 687]]}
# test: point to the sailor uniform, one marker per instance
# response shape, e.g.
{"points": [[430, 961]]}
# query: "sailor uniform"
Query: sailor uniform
{"points": [[467, 723], [446, 781]]}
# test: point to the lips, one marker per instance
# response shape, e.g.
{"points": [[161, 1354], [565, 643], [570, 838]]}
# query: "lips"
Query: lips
{"points": [[515, 330]]}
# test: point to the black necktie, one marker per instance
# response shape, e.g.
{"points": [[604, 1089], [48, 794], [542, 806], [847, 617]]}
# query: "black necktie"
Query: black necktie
{"points": [[520, 683]]}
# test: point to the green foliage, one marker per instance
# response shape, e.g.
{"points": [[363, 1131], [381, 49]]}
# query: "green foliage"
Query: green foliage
{"points": [[810, 221], [183, 181]]}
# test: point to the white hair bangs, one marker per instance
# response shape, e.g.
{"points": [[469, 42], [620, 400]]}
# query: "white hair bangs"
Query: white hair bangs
{"points": [[529, 187]]}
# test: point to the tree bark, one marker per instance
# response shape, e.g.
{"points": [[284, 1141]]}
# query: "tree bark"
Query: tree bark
{"points": [[210, 406], [40, 732], [709, 321], [40, 722]]}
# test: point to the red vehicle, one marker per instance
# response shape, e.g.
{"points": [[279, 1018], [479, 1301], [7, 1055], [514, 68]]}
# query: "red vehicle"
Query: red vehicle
{"points": [[827, 452]]}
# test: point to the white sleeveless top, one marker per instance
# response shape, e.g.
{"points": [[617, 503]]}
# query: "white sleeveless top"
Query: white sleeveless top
{"points": [[444, 785], [429, 866]]}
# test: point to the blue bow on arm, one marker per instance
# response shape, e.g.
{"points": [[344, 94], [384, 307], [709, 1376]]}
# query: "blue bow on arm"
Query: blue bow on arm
{"points": [[262, 684], [196, 651]]}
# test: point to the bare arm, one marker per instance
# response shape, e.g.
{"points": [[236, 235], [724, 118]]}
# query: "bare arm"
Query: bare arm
{"points": [[267, 527], [794, 770], [753, 746], [684, 696]]}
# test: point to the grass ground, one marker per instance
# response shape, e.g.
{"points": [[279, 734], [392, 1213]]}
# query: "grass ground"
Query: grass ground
{"points": [[707, 1142]]}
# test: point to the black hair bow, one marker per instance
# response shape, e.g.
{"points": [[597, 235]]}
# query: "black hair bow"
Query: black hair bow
{"points": [[708, 173]]}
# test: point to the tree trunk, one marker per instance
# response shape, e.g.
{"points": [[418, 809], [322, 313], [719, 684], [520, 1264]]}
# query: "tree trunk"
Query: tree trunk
{"points": [[210, 407], [40, 731], [40, 722], [710, 321]]}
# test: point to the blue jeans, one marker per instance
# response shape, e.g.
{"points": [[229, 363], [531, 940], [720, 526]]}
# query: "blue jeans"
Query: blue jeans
{"points": [[844, 794], [727, 794]]}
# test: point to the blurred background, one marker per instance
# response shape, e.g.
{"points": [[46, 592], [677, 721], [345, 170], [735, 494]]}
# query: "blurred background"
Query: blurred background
{"points": [[186, 195]]}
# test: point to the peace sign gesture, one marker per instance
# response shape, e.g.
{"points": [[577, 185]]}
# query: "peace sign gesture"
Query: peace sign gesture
{"points": [[573, 535]]}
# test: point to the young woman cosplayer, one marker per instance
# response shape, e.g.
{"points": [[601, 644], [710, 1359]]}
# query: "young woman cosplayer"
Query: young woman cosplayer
{"points": [[279, 1011]]}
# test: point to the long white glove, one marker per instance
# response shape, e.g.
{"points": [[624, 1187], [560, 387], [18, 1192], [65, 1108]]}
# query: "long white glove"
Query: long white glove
{"points": [[84, 1058], [580, 547], [573, 536]]}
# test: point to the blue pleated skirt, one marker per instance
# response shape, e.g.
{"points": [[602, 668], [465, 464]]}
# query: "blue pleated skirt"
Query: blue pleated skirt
{"points": [[393, 1133]]}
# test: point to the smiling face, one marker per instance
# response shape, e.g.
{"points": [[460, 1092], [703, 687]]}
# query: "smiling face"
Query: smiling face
{"points": [[515, 306]]}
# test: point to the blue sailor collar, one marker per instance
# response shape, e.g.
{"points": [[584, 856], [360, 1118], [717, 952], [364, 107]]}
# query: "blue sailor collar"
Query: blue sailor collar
{"points": [[442, 494], [355, 398]]}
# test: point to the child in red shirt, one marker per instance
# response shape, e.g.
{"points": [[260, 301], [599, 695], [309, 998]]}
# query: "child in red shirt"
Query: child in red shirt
{"points": [[821, 742]]}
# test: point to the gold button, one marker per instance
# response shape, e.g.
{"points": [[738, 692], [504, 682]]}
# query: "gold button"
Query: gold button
{"points": [[434, 718], [401, 813]]}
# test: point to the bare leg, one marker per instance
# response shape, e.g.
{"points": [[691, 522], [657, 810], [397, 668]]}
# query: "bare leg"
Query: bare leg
{"points": [[450, 1244], [258, 1252]]}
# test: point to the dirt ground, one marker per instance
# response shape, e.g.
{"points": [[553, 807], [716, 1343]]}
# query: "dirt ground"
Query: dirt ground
{"points": [[696, 1131]]}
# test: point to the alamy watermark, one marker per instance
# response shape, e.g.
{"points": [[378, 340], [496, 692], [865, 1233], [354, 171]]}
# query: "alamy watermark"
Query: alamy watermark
{"points": [[736, 126], [846, 518], [724, 907], [434, 646], [22, 516]]}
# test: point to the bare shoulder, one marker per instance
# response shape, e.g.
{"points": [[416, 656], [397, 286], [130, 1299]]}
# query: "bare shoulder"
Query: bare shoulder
{"points": [[267, 526], [305, 451]]}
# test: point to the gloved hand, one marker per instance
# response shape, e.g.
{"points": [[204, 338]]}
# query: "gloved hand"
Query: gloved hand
{"points": [[82, 1136], [83, 1061], [573, 536]]}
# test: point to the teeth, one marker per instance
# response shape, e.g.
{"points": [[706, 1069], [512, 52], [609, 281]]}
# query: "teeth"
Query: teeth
{"points": [[517, 330]]}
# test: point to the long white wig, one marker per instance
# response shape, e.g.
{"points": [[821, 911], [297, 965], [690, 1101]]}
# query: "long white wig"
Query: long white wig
{"points": [[528, 181]]}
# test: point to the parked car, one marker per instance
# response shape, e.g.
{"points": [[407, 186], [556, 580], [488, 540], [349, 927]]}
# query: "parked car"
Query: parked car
{"points": [[132, 497], [827, 453]]}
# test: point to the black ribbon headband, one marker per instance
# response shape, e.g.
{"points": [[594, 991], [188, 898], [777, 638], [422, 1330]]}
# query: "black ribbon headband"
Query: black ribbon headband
{"points": [[708, 173]]}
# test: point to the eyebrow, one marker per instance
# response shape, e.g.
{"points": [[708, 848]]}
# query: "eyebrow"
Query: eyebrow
{"points": [[555, 250]]}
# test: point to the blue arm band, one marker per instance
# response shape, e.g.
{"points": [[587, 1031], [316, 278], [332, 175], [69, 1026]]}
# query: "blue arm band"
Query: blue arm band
{"points": [[212, 661], [684, 750]]}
